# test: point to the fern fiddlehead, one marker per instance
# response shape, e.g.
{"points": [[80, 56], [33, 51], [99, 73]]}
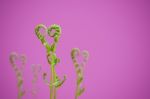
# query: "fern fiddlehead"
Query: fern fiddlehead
{"points": [[52, 59], [19, 71], [36, 69], [75, 53]]}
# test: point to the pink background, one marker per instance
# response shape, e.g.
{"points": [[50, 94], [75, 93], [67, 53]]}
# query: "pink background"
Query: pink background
{"points": [[116, 34]]}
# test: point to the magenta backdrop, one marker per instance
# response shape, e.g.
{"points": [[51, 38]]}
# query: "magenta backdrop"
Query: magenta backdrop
{"points": [[116, 34]]}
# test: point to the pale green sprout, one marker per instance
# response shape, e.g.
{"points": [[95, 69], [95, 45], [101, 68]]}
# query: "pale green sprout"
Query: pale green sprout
{"points": [[52, 59], [19, 71], [75, 53], [36, 69]]}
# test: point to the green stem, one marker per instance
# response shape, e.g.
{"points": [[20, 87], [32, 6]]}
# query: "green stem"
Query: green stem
{"points": [[52, 88], [19, 92], [51, 81], [76, 97]]}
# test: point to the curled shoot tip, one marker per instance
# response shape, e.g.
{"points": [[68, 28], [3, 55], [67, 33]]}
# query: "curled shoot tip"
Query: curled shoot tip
{"points": [[35, 70], [54, 31], [58, 83], [18, 68], [75, 53], [52, 59]]}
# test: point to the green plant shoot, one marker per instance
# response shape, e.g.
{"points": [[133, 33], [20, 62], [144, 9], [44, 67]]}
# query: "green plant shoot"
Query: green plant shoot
{"points": [[19, 71], [75, 53], [36, 69], [54, 31]]}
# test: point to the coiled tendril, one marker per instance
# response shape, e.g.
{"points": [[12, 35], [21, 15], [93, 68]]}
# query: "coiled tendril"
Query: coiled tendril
{"points": [[75, 53], [36, 69], [19, 71], [52, 59]]}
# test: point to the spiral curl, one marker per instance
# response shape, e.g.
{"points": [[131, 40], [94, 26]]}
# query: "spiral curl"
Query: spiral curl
{"points": [[19, 71], [79, 69]]}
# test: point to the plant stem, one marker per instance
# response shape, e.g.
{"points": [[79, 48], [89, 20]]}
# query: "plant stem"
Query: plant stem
{"points": [[51, 81], [19, 92], [52, 88], [76, 97]]}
